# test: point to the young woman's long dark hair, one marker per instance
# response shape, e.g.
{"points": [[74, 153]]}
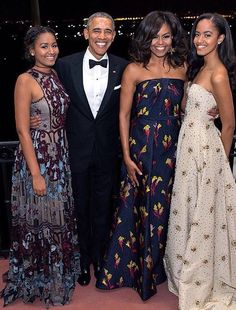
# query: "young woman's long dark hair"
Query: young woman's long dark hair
{"points": [[225, 49], [147, 30]]}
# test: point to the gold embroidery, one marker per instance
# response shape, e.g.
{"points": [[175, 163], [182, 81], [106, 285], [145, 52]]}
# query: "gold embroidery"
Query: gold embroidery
{"points": [[233, 242], [177, 227]]}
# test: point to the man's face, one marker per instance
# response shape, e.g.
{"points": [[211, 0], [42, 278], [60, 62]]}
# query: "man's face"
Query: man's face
{"points": [[100, 34]]}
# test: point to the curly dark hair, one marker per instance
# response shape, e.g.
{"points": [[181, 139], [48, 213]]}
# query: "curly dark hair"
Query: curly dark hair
{"points": [[147, 30], [225, 49], [30, 38]]}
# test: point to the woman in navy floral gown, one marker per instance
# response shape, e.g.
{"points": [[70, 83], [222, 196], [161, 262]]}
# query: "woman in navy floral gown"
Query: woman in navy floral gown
{"points": [[43, 260], [151, 93]]}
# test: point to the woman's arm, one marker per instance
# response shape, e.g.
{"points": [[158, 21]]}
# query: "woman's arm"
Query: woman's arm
{"points": [[128, 86], [22, 100], [184, 99], [223, 95]]}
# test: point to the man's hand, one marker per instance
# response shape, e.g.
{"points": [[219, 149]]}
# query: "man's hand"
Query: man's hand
{"points": [[214, 113], [35, 121]]}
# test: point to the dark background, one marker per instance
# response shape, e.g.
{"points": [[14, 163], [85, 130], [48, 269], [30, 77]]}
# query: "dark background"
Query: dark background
{"points": [[79, 8]]}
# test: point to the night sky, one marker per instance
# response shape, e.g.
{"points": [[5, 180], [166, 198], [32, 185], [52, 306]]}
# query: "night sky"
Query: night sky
{"points": [[53, 9]]}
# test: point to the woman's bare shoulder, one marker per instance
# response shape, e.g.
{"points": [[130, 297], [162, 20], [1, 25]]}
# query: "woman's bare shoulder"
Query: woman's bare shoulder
{"points": [[134, 67], [219, 75], [24, 78]]}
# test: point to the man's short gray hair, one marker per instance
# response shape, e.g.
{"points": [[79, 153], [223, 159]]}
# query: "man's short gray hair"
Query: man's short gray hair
{"points": [[100, 14]]}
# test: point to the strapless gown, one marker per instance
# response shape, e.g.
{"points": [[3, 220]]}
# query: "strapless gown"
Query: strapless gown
{"points": [[200, 257], [135, 253]]}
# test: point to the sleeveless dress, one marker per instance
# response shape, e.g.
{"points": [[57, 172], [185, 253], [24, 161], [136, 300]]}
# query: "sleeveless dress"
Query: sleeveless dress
{"points": [[200, 257], [135, 254], [44, 260]]}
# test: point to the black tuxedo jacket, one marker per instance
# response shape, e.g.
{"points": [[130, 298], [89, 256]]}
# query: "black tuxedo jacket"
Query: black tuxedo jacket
{"points": [[85, 134]]}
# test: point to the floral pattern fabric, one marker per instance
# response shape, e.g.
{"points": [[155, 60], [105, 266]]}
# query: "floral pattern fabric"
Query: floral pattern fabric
{"points": [[44, 257], [135, 254], [200, 257]]}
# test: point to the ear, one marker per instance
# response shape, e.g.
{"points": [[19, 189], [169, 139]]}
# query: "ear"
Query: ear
{"points": [[114, 34], [31, 50], [86, 34], [221, 38]]}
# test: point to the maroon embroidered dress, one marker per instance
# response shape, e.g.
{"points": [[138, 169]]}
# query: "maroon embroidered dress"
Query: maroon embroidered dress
{"points": [[44, 261]]}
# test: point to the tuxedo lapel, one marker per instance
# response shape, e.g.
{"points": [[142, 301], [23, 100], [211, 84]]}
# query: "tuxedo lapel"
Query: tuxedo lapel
{"points": [[113, 76], [77, 78]]}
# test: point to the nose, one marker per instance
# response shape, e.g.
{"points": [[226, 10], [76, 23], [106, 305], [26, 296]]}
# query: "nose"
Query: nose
{"points": [[52, 49], [200, 38], [102, 35], [160, 40]]}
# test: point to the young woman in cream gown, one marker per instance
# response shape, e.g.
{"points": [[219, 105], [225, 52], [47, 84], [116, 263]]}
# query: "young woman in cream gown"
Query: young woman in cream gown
{"points": [[200, 257]]}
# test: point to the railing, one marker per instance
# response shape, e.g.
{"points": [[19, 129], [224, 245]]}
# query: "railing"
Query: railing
{"points": [[233, 150], [7, 150], [232, 157]]}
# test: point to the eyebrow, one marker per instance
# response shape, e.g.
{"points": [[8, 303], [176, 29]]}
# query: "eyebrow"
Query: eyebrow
{"points": [[99, 28], [48, 43], [164, 34], [207, 31]]}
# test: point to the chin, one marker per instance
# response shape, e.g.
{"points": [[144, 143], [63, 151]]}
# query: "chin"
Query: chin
{"points": [[201, 52]]}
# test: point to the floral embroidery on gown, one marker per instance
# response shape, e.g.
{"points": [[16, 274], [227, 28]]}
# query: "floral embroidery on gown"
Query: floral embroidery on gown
{"points": [[200, 257], [135, 254], [44, 257]]}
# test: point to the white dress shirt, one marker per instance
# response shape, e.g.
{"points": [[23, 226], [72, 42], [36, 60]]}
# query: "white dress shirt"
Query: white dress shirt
{"points": [[95, 81]]}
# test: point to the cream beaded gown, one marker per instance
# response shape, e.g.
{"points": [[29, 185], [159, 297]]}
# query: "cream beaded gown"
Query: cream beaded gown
{"points": [[200, 258]]}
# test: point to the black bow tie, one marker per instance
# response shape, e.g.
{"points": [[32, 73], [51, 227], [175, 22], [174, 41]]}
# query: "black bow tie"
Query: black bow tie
{"points": [[93, 63]]}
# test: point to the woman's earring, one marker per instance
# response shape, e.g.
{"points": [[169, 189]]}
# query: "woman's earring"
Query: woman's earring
{"points": [[171, 50]]}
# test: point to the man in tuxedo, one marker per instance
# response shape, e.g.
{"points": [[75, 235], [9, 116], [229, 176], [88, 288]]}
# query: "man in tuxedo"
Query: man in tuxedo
{"points": [[92, 79]]}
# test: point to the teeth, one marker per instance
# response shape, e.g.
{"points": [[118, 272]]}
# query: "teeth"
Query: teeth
{"points": [[101, 44]]}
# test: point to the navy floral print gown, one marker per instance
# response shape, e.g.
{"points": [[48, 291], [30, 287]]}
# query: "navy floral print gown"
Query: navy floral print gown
{"points": [[135, 253], [44, 257]]}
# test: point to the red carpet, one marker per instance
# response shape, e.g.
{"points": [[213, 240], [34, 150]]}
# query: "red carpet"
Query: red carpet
{"points": [[90, 298]]}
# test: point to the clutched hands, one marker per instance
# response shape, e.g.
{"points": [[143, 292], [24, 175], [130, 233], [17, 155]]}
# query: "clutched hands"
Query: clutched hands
{"points": [[39, 185], [132, 171]]}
